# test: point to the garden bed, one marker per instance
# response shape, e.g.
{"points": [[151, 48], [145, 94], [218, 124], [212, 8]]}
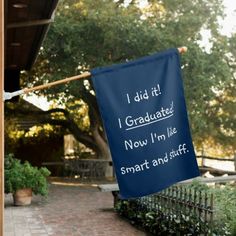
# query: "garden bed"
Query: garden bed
{"points": [[194, 209]]}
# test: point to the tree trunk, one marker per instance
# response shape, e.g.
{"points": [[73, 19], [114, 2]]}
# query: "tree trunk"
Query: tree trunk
{"points": [[93, 139], [102, 144], [104, 151]]}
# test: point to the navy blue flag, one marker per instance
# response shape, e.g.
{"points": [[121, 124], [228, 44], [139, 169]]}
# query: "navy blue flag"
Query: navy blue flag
{"points": [[144, 113]]}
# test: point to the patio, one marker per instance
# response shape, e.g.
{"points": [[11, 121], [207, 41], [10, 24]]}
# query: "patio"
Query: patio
{"points": [[71, 209]]}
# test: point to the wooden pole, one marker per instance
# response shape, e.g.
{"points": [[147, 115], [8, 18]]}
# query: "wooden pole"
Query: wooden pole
{"points": [[182, 50], [1, 118], [77, 77], [63, 81]]}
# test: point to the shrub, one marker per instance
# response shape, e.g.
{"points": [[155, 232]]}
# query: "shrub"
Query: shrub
{"points": [[23, 175], [161, 222]]}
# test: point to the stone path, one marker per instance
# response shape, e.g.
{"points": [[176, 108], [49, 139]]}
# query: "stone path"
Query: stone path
{"points": [[68, 211]]}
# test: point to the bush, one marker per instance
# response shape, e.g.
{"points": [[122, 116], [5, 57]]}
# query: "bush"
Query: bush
{"points": [[19, 176], [225, 207], [159, 222]]}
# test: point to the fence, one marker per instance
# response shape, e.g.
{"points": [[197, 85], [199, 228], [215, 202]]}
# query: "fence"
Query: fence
{"points": [[218, 162], [86, 168], [180, 210], [176, 209]]}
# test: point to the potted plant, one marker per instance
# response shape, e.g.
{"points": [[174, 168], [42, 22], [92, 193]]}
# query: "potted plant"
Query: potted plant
{"points": [[23, 179]]}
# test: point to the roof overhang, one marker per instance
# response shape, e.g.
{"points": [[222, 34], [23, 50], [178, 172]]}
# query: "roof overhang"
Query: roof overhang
{"points": [[26, 24]]}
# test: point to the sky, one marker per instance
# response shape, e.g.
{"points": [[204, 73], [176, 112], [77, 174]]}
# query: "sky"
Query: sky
{"points": [[228, 26], [229, 23]]}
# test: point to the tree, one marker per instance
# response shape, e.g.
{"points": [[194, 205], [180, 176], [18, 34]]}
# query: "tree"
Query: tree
{"points": [[88, 34]]}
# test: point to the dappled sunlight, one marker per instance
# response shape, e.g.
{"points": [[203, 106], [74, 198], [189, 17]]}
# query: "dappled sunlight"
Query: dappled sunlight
{"points": [[37, 130]]}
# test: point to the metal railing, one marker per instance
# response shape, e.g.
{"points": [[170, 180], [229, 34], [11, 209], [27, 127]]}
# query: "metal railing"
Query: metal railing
{"points": [[176, 207], [86, 168], [178, 202]]}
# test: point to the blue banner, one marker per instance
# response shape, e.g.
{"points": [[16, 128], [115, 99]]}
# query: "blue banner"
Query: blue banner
{"points": [[144, 113]]}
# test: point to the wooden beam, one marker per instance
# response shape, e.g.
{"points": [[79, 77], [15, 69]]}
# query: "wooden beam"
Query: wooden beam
{"points": [[1, 118], [216, 158], [29, 23]]}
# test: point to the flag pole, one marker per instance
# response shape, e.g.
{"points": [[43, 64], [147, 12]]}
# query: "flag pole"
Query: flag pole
{"points": [[84, 75], [62, 81], [182, 50]]}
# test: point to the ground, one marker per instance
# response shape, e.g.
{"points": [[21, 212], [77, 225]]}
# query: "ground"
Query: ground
{"points": [[69, 210]]}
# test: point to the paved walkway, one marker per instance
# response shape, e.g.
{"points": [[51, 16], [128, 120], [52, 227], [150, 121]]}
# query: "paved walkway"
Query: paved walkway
{"points": [[68, 211]]}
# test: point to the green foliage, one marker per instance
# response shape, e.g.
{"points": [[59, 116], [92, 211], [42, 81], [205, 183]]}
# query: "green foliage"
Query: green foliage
{"points": [[159, 222], [225, 207], [88, 34], [18, 176]]}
